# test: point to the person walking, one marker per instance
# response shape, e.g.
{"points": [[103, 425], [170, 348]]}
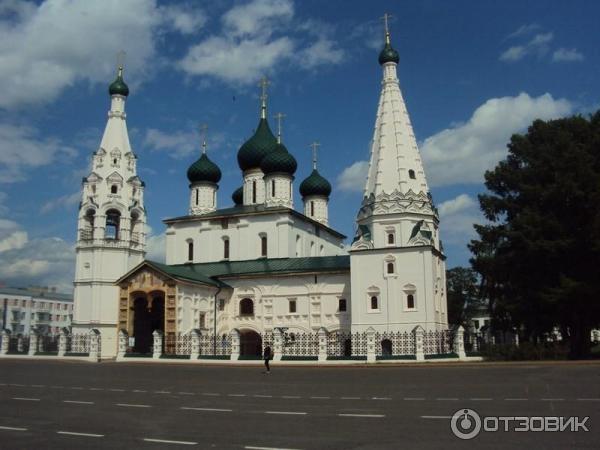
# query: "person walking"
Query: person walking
{"points": [[268, 355]]}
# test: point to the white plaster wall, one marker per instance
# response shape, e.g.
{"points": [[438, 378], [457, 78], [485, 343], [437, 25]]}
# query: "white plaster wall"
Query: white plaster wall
{"points": [[250, 176], [321, 213], [203, 198], [284, 192]]}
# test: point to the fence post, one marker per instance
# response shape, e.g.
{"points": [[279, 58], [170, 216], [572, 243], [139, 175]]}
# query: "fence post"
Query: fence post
{"points": [[322, 344], [235, 344], [419, 333], [62, 342], [95, 350], [20, 343], [595, 336], [33, 342], [157, 344], [195, 344], [371, 354], [277, 344], [5, 342], [122, 339], [475, 341], [459, 342], [516, 338]]}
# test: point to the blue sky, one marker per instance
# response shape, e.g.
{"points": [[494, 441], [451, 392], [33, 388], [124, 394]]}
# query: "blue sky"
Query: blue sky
{"points": [[472, 73]]}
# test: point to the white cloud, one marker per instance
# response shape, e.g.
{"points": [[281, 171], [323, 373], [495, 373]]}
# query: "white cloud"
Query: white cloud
{"points": [[457, 217], [462, 153], [323, 51], [524, 30], [64, 201], [21, 149], [354, 177], [183, 18], [15, 240], [46, 48], [537, 45], [156, 248], [179, 144], [567, 55], [237, 62], [258, 17]]}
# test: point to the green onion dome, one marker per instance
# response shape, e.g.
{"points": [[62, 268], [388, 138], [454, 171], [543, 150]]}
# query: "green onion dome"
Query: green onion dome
{"points": [[388, 54], [253, 151], [315, 184], [279, 161], [118, 87], [238, 196], [204, 170]]}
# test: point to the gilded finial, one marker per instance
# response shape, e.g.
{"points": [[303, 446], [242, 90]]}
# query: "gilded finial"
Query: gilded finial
{"points": [[264, 82], [385, 19], [120, 62], [279, 117], [203, 130], [314, 146]]}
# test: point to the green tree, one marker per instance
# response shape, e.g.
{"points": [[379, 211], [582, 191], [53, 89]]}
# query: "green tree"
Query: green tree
{"points": [[463, 295], [539, 258]]}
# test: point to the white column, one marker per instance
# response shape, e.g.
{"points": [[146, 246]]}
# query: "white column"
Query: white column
{"points": [[459, 342], [322, 344], [122, 344], [157, 337], [195, 344], [62, 342], [33, 342], [94, 355], [419, 333], [371, 354], [235, 344], [277, 344], [5, 342]]}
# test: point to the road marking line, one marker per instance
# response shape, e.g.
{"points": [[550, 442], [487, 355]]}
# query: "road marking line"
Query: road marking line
{"points": [[414, 398], [13, 428], [291, 413], [16, 384], [436, 417], [443, 399], [96, 389], [165, 441], [26, 399], [350, 398], [206, 409], [290, 396], [320, 398], [78, 402], [249, 447], [381, 398], [3, 384], [211, 394], [38, 385], [139, 390], [72, 433], [516, 399], [480, 399], [262, 396], [361, 415], [133, 406], [162, 392], [186, 393], [552, 399], [236, 395], [77, 388], [588, 399], [57, 387], [117, 390]]}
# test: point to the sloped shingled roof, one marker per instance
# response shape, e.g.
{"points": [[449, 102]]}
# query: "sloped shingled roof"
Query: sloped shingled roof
{"points": [[212, 273]]}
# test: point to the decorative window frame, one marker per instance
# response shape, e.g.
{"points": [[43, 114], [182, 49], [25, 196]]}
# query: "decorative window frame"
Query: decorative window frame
{"points": [[189, 241], [239, 306], [373, 291], [409, 289], [228, 239], [295, 301], [390, 259], [338, 311], [388, 231]]}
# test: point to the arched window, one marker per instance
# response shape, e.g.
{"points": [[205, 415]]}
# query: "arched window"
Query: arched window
{"points": [[312, 248], [411, 174], [246, 307], [196, 197], [322, 251], [190, 250], [390, 267], [254, 192], [272, 188], [263, 246], [298, 245], [391, 238], [386, 347], [226, 248], [374, 302], [113, 189], [410, 301], [113, 219], [312, 208]]}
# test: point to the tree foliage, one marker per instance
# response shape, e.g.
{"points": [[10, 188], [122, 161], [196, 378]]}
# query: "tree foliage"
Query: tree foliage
{"points": [[539, 257], [463, 295]]}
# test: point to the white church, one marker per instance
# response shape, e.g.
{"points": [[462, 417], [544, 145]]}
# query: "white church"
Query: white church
{"points": [[261, 265]]}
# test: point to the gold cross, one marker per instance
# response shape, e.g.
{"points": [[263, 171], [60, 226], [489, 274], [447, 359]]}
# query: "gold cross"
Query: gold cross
{"points": [[279, 116], [314, 146], [203, 129]]}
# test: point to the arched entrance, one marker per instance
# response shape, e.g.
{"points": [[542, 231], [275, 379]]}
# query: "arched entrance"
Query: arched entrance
{"points": [[386, 347], [250, 343], [148, 315]]}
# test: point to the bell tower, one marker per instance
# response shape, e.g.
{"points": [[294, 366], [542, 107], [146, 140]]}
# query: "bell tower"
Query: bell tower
{"points": [[397, 262], [111, 225]]}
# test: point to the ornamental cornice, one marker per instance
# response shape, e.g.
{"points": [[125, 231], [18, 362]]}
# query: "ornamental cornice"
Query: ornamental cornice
{"points": [[397, 202]]}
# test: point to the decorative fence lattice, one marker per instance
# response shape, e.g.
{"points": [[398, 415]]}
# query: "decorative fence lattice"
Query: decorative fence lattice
{"points": [[391, 343], [300, 344], [18, 344], [48, 343], [437, 342], [339, 344], [78, 343], [208, 345]]}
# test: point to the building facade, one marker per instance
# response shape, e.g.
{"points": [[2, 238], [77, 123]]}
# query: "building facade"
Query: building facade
{"points": [[262, 265]]}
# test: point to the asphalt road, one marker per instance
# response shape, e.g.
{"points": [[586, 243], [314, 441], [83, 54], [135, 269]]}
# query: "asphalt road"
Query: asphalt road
{"points": [[65, 404]]}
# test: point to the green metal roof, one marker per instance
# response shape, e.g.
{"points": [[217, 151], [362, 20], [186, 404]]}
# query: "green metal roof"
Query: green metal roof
{"points": [[279, 161], [249, 210], [204, 170], [388, 54], [315, 184], [238, 196], [118, 87], [257, 147]]}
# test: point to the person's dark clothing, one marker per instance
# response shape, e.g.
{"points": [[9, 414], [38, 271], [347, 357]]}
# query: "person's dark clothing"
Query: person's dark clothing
{"points": [[268, 355]]}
